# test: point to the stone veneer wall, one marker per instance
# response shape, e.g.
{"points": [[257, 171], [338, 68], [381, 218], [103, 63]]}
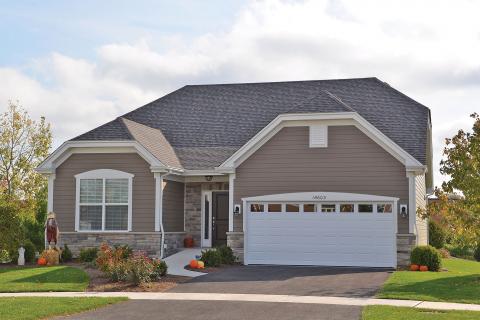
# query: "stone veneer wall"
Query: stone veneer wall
{"points": [[193, 206], [144, 241], [235, 241], [405, 244], [174, 242]]}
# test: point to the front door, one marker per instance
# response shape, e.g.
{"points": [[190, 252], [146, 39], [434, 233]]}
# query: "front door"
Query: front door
{"points": [[219, 218]]}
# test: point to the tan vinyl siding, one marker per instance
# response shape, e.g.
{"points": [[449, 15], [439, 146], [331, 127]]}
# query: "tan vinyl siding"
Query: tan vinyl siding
{"points": [[422, 225], [352, 162], [173, 205], [143, 193]]}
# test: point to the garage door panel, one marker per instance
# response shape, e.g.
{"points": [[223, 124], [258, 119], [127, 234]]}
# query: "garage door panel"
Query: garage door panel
{"points": [[337, 239]]}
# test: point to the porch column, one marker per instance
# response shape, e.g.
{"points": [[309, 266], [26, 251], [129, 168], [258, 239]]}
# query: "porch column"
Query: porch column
{"points": [[231, 179], [158, 201], [412, 211], [51, 179]]}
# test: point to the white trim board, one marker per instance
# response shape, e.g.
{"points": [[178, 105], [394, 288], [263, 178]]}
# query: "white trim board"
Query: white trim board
{"points": [[320, 196], [341, 118]]}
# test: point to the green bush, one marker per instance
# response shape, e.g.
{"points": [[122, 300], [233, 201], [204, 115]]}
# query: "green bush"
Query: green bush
{"points": [[211, 258], [4, 256], [11, 231], [436, 234], [119, 271], [29, 251], [141, 268], [159, 269], [426, 256], [476, 253], [88, 254], [226, 255], [66, 254], [462, 252], [125, 251]]}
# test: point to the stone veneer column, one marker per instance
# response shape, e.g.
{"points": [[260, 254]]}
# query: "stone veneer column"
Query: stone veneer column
{"points": [[235, 241], [405, 244]]}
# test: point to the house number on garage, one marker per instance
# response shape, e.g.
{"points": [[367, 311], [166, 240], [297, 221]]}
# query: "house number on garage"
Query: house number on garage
{"points": [[319, 197]]}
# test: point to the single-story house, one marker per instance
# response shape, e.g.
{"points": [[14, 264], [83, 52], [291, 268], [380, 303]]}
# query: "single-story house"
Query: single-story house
{"points": [[327, 172]]}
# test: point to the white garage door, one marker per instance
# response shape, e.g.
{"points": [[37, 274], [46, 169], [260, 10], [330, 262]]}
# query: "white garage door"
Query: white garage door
{"points": [[333, 229]]}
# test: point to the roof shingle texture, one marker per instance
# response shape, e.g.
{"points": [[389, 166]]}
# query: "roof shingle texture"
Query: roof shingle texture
{"points": [[205, 124]]}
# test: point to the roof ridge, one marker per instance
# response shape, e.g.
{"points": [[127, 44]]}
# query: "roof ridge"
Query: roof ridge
{"points": [[277, 82]]}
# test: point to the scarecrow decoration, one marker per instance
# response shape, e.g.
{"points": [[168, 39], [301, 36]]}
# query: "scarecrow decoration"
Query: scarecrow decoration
{"points": [[51, 230]]}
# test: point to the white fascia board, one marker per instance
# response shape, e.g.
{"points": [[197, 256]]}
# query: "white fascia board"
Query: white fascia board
{"points": [[280, 121], [320, 196], [202, 173], [68, 148]]}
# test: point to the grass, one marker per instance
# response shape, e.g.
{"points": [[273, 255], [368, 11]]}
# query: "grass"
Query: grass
{"points": [[58, 278], [29, 308], [460, 284], [403, 313]]}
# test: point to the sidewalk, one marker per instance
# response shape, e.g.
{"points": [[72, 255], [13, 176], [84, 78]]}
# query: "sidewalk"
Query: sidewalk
{"points": [[255, 298], [179, 260]]}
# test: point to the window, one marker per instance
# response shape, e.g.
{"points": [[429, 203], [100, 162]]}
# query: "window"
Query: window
{"points": [[384, 208], [347, 207], [103, 201], [290, 207], [309, 207], [256, 207], [328, 208], [274, 207], [365, 208]]}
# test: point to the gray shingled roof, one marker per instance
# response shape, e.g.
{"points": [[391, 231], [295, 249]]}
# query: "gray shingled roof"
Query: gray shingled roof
{"points": [[205, 124]]}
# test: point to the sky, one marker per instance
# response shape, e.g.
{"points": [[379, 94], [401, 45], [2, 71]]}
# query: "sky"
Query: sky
{"points": [[83, 63]]}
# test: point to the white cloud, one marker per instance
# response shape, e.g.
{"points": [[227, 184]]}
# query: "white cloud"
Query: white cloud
{"points": [[427, 49]]}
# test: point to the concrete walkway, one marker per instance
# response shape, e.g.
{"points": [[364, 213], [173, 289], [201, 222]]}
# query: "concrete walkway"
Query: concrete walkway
{"points": [[176, 262], [255, 298]]}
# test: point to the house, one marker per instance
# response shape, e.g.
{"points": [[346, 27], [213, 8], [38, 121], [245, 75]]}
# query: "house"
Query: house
{"points": [[326, 172]]}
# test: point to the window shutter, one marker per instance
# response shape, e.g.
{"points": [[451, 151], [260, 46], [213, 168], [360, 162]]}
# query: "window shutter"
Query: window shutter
{"points": [[318, 136]]}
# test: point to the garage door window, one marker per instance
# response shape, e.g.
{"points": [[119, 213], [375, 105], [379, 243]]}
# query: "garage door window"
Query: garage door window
{"points": [[347, 207], [292, 207], [328, 208], [274, 207], [365, 208], [309, 207], [384, 208], [256, 207]]}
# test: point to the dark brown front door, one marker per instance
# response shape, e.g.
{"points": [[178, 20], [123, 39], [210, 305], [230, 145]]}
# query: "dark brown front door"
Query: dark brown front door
{"points": [[219, 218]]}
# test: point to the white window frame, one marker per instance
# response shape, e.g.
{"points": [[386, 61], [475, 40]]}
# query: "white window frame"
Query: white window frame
{"points": [[103, 174]]}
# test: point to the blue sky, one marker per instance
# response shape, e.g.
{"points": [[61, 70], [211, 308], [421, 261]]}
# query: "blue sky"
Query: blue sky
{"points": [[83, 63]]}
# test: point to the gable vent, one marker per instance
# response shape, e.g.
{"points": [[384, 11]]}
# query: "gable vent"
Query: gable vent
{"points": [[318, 136]]}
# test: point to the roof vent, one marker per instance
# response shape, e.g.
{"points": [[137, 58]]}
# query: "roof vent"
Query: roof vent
{"points": [[318, 136]]}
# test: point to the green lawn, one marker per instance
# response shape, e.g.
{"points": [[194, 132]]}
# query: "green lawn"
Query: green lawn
{"points": [[58, 278], [402, 313], [27, 308], [460, 284]]}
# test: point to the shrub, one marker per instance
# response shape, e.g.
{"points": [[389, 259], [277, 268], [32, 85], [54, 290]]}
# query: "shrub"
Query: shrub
{"points": [[66, 254], [476, 253], [211, 258], [437, 235], [159, 269], [141, 268], [426, 256], [444, 253], [4, 256], [29, 251], [462, 252], [11, 231], [88, 254], [226, 255], [119, 271], [125, 251]]}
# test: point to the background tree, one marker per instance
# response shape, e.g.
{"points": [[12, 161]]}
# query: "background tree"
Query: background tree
{"points": [[460, 216], [24, 143]]}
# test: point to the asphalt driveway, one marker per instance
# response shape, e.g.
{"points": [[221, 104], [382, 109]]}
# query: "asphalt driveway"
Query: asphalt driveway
{"points": [[218, 310], [290, 280]]}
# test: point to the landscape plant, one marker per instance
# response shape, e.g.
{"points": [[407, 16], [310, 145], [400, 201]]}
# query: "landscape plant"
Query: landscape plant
{"points": [[436, 235], [426, 256], [211, 258], [88, 254], [66, 255]]}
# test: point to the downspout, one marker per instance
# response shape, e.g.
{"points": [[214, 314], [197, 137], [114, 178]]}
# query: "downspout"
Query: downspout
{"points": [[159, 210]]}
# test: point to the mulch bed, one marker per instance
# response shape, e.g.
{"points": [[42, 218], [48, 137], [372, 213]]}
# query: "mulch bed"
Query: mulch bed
{"points": [[212, 269]]}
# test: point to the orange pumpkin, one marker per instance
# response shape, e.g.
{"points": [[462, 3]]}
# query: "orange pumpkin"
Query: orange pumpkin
{"points": [[194, 264], [414, 267], [200, 265], [423, 268], [42, 261]]}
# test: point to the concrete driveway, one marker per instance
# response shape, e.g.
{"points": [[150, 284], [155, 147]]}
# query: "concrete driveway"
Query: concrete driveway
{"points": [[290, 280]]}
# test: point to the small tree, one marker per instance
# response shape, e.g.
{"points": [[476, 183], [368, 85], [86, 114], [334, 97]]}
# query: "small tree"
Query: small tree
{"points": [[24, 143], [460, 217]]}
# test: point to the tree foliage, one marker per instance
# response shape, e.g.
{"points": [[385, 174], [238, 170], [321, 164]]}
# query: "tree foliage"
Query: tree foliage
{"points": [[24, 143], [460, 216]]}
